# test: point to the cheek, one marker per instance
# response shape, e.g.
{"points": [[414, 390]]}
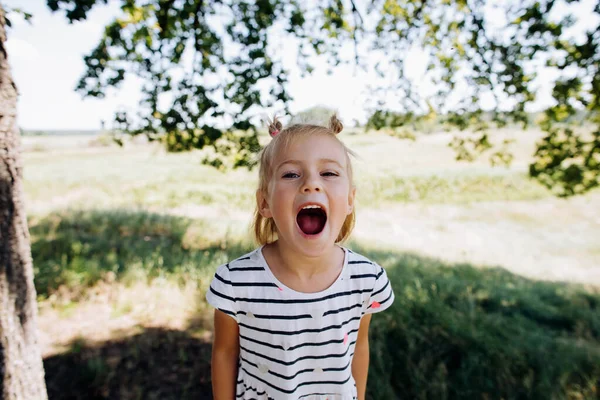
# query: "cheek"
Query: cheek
{"points": [[279, 207], [281, 198], [342, 190]]}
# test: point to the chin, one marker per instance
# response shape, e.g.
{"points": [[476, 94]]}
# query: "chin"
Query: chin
{"points": [[314, 245]]}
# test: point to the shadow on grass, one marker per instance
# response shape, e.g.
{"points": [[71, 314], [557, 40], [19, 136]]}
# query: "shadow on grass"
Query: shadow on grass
{"points": [[460, 332], [75, 249], [454, 331], [155, 364]]}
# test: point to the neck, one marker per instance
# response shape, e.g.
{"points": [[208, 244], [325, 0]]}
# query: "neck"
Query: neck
{"points": [[301, 265]]}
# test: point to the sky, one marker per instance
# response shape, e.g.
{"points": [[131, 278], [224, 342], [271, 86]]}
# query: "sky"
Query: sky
{"points": [[46, 58]]}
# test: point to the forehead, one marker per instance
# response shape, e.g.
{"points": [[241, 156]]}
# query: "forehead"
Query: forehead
{"points": [[311, 148]]}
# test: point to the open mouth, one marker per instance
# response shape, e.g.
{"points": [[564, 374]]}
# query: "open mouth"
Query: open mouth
{"points": [[311, 219]]}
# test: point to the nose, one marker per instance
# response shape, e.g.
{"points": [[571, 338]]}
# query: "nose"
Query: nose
{"points": [[312, 183]]}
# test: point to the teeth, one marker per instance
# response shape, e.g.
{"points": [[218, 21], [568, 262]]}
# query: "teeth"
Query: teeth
{"points": [[305, 207]]}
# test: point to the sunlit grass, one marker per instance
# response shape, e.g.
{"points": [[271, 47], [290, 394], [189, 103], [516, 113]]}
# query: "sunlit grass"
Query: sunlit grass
{"points": [[146, 177], [453, 188], [115, 178]]}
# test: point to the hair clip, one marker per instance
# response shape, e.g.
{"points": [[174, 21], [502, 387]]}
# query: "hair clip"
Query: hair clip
{"points": [[274, 133]]}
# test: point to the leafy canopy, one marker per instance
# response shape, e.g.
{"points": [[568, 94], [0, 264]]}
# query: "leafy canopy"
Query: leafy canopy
{"points": [[209, 66]]}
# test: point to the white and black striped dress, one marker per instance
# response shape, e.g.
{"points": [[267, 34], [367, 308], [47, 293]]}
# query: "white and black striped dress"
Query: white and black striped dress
{"points": [[297, 345]]}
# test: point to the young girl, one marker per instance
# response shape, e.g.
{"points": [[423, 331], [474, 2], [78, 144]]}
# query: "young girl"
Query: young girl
{"points": [[292, 317]]}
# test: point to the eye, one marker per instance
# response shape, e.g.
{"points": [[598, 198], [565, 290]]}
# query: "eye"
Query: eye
{"points": [[329, 174], [290, 175]]}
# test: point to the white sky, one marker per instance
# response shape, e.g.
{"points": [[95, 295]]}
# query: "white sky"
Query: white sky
{"points": [[47, 61]]}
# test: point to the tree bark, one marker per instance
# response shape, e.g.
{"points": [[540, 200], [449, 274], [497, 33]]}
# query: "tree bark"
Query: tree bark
{"points": [[21, 368]]}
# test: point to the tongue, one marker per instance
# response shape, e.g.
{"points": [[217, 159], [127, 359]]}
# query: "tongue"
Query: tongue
{"points": [[311, 223]]}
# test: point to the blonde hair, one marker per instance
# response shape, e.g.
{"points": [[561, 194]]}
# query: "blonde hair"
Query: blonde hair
{"points": [[265, 230]]}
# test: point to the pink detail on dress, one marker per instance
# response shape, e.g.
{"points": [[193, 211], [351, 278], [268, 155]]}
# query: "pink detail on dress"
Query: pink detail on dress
{"points": [[375, 305], [345, 338], [280, 289]]}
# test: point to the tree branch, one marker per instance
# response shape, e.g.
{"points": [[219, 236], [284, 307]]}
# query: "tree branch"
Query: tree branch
{"points": [[355, 13]]}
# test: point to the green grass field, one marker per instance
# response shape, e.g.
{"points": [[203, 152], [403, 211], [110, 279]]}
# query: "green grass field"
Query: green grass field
{"points": [[125, 242]]}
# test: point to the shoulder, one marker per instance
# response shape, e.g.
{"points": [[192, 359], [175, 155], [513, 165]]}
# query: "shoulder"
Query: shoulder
{"points": [[372, 277], [360, 264], [362, 273], [248, 262], [233, 280], [237, 272]]}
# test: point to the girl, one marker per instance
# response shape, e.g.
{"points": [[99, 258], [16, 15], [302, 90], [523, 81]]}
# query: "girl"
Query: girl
{"points": [[292, 317]]}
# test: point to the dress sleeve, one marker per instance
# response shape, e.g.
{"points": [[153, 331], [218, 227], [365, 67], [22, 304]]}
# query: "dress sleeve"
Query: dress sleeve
{"points": [[382, 295], [221, 295]]}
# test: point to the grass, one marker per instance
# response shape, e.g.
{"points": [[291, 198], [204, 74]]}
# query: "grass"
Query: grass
{"points": [[76, 249], [454, 331], [145, 177], [155, 364], [453, 188], [457, 332], [130, 178], [106, 218]]}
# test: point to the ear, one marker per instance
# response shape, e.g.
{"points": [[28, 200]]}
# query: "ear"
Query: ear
{"points": [[263, 205], [351, 197]]}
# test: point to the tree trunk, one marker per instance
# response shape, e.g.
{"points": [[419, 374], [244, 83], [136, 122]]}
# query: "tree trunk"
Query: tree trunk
{"points": [[21, 368]]}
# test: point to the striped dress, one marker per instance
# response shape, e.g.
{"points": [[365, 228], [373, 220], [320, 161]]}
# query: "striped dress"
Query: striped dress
{"points": [[297, 345]]}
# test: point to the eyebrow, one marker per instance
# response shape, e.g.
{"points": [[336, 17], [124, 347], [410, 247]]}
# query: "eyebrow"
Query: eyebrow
{"points": [[321, 160]]}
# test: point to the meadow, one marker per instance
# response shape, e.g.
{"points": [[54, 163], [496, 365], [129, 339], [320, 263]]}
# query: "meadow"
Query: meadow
{"points": [[497, 282]]}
